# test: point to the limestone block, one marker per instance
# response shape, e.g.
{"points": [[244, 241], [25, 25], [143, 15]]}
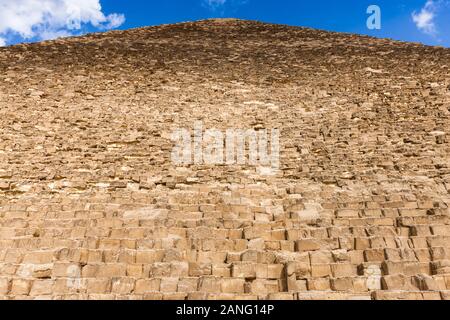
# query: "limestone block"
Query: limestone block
{"points": [[321, 257], [111, 270], [307, 245], [41, 287], [199, 269], [187, 285], [144, 286], [319, 284], [320, 270], [209, 284], [134, 270], [169, 284], [395, 282], [20, 287], [232, 285], [243, 270], [342, 270], [122, 285], [98, 286], [4, 286], [376, 255]]}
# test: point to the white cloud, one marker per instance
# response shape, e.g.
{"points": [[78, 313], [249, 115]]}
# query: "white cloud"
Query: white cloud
{"points": [[425, 19], [2, 42], [115, 20], [216, 4], [213, 4], [49, 19]]}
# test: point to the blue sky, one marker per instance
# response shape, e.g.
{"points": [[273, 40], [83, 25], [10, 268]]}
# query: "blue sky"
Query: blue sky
{"points": [[426, 21]]}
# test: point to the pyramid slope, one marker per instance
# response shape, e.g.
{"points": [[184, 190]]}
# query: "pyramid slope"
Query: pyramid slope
{"points": [[93, 207]]}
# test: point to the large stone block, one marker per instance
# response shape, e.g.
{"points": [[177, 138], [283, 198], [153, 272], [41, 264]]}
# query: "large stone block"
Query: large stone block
{"points": [[232, 285], [41, 287], [144, 286]]}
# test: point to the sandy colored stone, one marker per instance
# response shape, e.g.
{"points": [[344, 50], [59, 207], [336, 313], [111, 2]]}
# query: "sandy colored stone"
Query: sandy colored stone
{"points": [[93, 207]]}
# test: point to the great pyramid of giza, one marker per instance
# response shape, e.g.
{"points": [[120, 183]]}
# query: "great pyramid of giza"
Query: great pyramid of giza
{"points": [[92, 205]]}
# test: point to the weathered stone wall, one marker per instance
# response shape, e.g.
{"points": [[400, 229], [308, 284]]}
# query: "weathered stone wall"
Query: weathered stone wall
{"points": [[92, 207]]}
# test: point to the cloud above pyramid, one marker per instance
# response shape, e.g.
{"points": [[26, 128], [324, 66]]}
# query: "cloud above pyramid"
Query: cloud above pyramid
{"points": [[50, 19]]}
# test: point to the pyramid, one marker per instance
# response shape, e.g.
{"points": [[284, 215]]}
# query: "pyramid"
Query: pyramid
{"points": [[93, 206]]}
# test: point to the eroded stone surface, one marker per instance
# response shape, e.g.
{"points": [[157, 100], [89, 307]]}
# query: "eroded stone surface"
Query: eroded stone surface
{"points": [[91, 206]]}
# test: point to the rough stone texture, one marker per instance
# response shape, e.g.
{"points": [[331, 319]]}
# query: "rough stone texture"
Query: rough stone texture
{"points": [[91, 206]]}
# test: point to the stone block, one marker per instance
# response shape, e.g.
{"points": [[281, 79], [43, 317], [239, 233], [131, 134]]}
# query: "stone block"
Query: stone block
{"points": [[111, 270], [320, 270], [209, 284], [319, 284], [187, 285], [4, 286], [98, 286], [169, 285], [343, 270], [41, 287], [243, 270], [342, 284], [144, 286], [307, 245], [395, 282], [376, 255], [20, 287], [232, 285], [347, 213], [122, 286]]}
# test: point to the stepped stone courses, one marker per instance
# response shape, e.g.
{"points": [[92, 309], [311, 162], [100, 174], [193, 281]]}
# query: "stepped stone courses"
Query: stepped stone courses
{"points": [[91, 206]]}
